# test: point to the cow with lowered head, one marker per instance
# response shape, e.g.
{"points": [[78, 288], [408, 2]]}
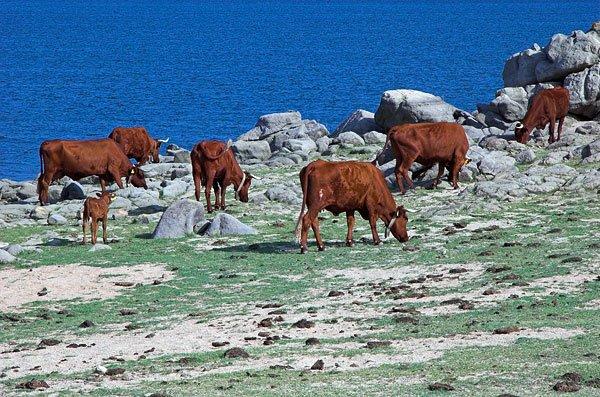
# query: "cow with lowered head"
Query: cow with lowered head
{"points": [[214, 166], [137, 143], [547, 107], [347, 186], [428, 143], [79, 159]]}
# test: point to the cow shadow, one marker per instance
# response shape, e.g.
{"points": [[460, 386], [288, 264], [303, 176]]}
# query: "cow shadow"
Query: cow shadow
{"points": [[149, 209], [285, 247]]}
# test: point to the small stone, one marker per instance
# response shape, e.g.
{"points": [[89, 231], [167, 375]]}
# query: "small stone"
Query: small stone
{"points": [[303, 324], [86, 324], [440, 386], [318, 365], [566, 387], [506, 330], [312, 342], [236, 352]]}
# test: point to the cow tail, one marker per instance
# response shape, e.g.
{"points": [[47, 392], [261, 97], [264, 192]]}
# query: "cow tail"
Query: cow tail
{"points": [[39, 181], [385, 145], [303, 183]]}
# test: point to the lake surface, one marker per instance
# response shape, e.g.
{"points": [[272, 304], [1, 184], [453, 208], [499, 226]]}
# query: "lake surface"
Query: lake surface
{"points": [[194, 70]]}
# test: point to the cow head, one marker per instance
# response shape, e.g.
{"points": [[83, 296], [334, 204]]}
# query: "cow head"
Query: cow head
{"points": [[241, 192], [136, 177], [521, 133], [397, 224], [155, 148]]}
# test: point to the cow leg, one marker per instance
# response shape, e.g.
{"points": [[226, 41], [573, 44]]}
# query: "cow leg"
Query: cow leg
{"points": [[455, 167], [441, 169], [399, 179], [94, 231], [407, 161], [102, 185], [350, 220], [104, 230], [83, 225], [209, 184], [197, 175], [306, 223], [217, 195], [373, 224], [223, 197], [551, 131], [560, 126], [317, 231], [116, 176]]}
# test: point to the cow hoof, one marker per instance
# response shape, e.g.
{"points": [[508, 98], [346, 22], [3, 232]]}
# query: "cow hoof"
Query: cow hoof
{"points": [[349, 243], [322, 248], [378, 242], [303, 250]]}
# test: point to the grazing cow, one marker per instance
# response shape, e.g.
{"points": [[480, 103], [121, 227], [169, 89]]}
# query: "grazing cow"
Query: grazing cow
{"points": [[78, 159], [215, 166], [428, 143], [347, 186], [137, 143], [95, 209], [546, 107]]}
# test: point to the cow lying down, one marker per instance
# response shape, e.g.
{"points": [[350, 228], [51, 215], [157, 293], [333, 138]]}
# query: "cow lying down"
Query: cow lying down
{"points": [[347, 186]]}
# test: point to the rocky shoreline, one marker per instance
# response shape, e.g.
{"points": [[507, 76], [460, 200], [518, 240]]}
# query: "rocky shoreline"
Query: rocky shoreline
{"points": [[501, 169]]}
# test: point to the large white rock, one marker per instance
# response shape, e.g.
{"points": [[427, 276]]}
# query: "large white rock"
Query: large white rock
{"points": [[225, 224], [252, 151], [5, 257], [562, 56], [179, 219], [411, 106], [349, 138], [584, 88], [360, 121], [301, 145]]}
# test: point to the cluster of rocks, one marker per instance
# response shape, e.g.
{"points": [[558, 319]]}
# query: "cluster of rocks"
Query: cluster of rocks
{"points": [[571, 61], [185, 217]]}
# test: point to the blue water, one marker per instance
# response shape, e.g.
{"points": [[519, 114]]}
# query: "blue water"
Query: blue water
{"points": [[193, 70]]}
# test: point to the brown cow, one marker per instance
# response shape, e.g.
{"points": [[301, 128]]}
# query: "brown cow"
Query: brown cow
{"points": [[546, 107], [78, 159], [347, 186], [137, 143], [95, 209], [214, 165], [428, 143]]}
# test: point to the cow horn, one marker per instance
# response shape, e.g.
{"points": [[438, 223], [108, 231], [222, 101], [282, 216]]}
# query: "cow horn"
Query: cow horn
{"points": [[255, 177], [389, 226], [164, 140], [519, 125], [229, 144], [237, 191], [410, 211]]}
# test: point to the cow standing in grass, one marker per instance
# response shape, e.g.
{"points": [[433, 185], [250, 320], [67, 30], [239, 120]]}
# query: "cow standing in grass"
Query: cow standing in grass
{"points": [[137, 143], [428, 143], [214, 166], [347, 186], [546, 108], [79, 159], [95, 209]]}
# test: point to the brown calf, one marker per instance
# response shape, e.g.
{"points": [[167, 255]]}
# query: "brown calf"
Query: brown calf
{"points": [[214, 166], [428, 143], [137, 143], [546, 108], [347, 186], [95, 209]]}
